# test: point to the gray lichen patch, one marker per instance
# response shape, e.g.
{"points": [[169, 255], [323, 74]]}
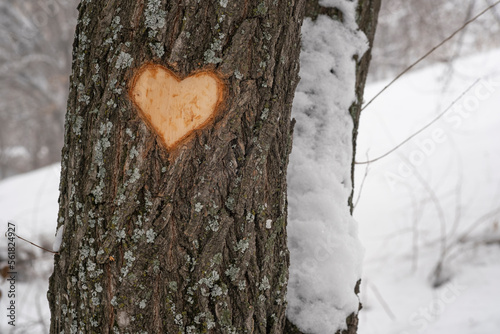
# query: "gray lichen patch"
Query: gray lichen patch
{"points": [[116, 27], [150, 236], [77, 126], [135, 176], [216, 260], [261, 9], [198, 207], [154, 17], [232, 272], [210, 58], [158, 49], [124, 60], [238, 75], [133, 153], [264, 285], [242, 246]]}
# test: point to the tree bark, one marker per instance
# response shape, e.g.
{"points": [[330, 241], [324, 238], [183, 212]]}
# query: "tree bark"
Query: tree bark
{"points": [[367, 18], [190, 240]]}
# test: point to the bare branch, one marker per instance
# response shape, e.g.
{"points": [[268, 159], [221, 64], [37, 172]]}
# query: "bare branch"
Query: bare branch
{"points": [[429, 52], [422, 129]]}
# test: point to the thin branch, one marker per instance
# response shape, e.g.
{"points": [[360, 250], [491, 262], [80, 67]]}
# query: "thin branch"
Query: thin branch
{"points": [[453, 248], [417, 216], [428, 53], [437, 204], [361, 188], [442, 222], [456, 52], [484, 218], [458, 193], [494, 12], [382, 301], [422, 129], [45, 249]]}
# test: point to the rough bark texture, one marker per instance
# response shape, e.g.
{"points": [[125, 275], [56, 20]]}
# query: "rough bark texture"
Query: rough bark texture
{"points": [[367, 17], [191, 240]]}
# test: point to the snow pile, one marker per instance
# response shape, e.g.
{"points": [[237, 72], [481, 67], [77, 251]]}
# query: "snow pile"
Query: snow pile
{"points": [[58, 241], [325, 252]]}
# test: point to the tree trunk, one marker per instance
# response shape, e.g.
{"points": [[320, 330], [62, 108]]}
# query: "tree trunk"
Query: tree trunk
{"points": [[367, 17], [189, 239]]}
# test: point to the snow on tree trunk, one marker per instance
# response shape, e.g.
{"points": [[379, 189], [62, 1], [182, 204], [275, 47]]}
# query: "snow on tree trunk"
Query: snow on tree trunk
{"points": [[188, 239], [326, 254]]}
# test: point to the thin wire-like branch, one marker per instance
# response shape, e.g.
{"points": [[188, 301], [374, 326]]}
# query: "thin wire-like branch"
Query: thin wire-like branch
{"points": [[493, 12], [417, 216], [45, 249], [361, 188], [382, 302], [429, 52], [442, 222], [422, 129], [453, 250]]}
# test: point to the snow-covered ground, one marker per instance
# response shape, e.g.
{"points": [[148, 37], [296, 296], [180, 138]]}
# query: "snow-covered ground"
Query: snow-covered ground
{"points": [[30, 202], [436, 197], [433, 201]]}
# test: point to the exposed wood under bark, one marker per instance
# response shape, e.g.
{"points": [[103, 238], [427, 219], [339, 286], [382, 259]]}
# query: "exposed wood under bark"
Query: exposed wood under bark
{"points": [[174, 107]]}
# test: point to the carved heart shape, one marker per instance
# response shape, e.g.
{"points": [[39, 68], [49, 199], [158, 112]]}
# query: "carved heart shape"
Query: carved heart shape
{"points": [[175, 108]]}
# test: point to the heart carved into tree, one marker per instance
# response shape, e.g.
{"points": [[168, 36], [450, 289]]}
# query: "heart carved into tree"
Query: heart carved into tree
{"points": [[175, 108]]}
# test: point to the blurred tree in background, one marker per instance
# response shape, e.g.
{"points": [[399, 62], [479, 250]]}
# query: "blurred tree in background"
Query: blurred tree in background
{"points": [[35, 61], [408, 29]]}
